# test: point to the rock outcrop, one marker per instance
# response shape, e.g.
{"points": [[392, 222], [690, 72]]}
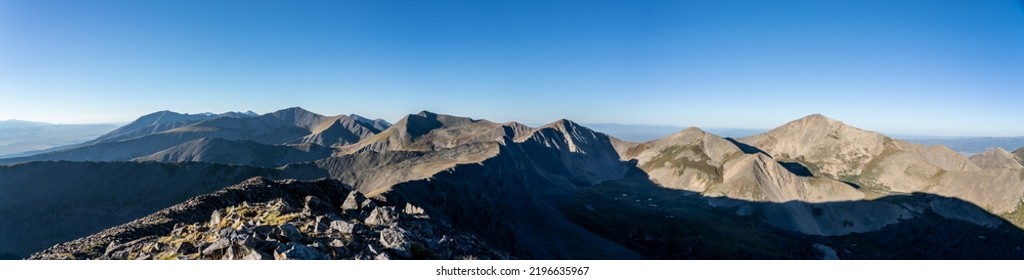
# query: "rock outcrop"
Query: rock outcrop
{"points": [[260, 219]]}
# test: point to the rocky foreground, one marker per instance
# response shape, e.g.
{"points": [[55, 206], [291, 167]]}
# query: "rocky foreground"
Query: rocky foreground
{"points": [[262, 220]]}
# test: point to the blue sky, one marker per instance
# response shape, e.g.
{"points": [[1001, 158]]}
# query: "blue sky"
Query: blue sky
{"points": [[912, 67]]}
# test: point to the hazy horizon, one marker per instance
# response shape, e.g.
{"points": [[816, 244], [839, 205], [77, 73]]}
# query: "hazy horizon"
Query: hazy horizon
{"points": [[942, 68], [651, 129]]}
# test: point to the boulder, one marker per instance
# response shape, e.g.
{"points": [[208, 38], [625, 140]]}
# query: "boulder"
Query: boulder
{"points": [[187, 248], [256, 256], [291, 232], [396, 240], [342, 227], [413, 210], [296, 251], [322, 224], [217, 247], [262, 232], [382, 216], [354, 201], [315, 206], [215, 218]]}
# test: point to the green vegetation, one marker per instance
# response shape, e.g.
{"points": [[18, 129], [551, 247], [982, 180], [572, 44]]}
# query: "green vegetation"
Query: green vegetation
{"points": [[167, 256], [1017, 216], [680, 157]]}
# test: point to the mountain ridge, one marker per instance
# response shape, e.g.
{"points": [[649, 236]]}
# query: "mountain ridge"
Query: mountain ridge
{"points": [[813, 178]]}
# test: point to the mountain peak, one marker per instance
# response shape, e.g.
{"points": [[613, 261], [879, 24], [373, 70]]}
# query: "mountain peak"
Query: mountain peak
{"points": [[569, 127], [835, 147], [294, 110], [692, 130], [378, 124], [997, 151], [427, 114], [691, 133], [565, 124], [299, 117], [816, 118], [997, 158]]}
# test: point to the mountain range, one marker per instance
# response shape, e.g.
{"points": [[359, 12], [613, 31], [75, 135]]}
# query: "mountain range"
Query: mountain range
{"points": [[968, 145], [178, 186]]}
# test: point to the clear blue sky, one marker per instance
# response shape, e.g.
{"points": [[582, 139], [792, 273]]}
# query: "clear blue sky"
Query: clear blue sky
{"points": [[914, 67]]}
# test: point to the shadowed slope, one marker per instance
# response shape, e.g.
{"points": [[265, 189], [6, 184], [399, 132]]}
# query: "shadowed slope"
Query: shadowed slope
{"points": [[260, 219], [662, 223], [239, 152], [42, 203]]}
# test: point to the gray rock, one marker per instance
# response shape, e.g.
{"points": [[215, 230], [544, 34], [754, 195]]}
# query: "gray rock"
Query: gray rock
{"points": [[368, 204], [120, 251], [187, 248], [354, 201], [262, 232], [413, 210], [382, 216], [256, 256], [268, 246], [324, 219], [216, 247], [111, 247], [322, 224], [315, 206], [245, 240], [215, 218], [234, 253], [396, 240], [296, 251], [225, 232], [291, 232], [321, 227], [342, 227], [374, 249]]}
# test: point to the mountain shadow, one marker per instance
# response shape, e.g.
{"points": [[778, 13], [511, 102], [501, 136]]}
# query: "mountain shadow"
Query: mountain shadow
{"points": [[661, 223], [747, 149], [796, 168], [260, 219], [44, 203]]}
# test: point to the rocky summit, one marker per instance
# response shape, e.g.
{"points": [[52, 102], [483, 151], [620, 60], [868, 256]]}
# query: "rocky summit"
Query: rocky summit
{"points": [[266, 220], [293, 184]]}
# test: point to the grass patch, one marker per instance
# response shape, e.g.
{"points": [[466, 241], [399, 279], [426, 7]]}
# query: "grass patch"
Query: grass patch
{"points": [[681, 158], [167, 256], [1017, 216]]}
